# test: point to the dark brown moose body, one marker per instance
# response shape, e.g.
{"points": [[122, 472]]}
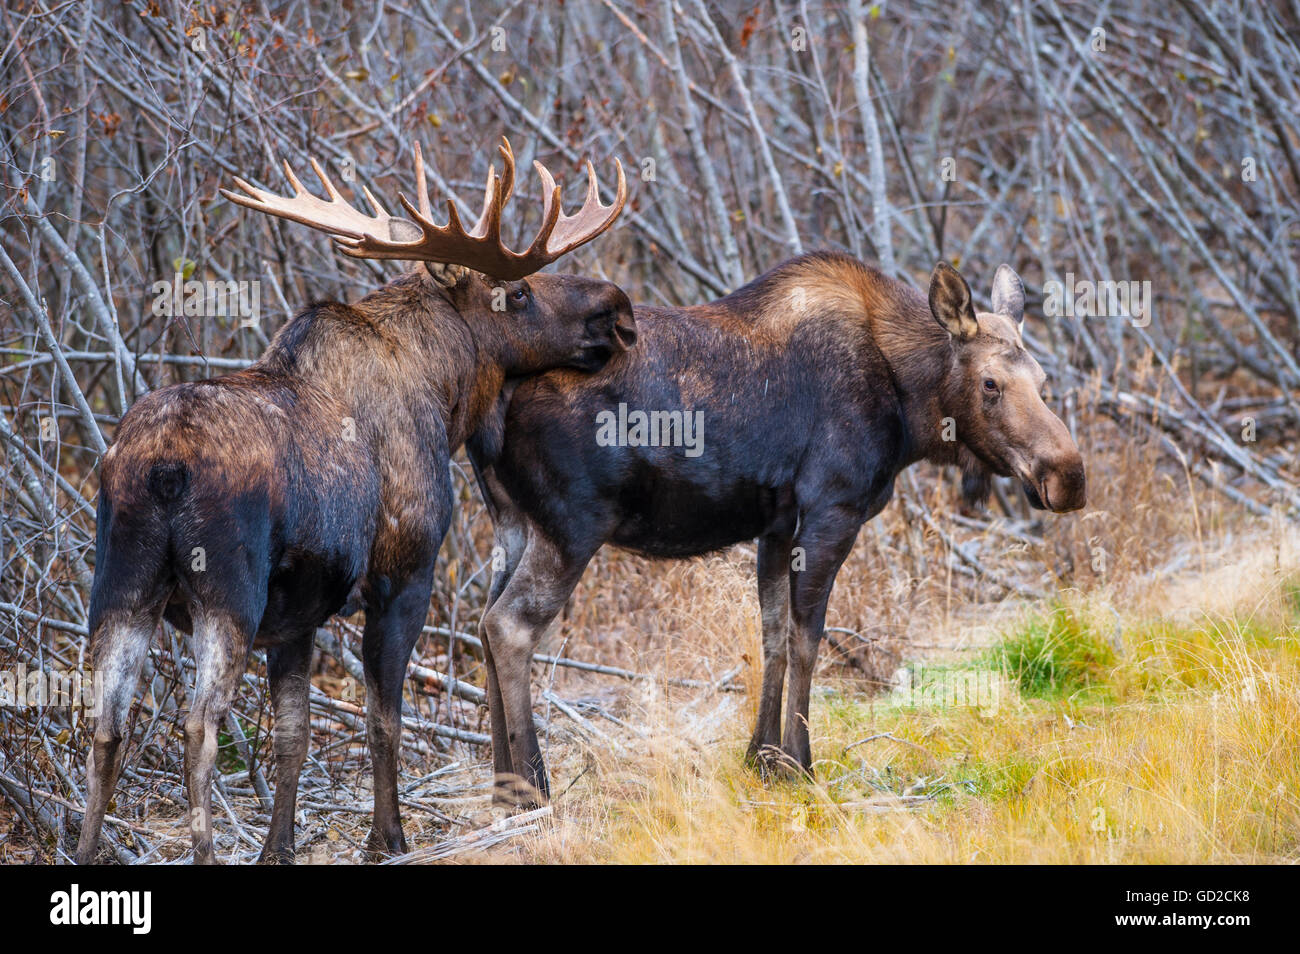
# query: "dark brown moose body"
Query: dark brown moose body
{"points": [[806, 392], [250, 508]]}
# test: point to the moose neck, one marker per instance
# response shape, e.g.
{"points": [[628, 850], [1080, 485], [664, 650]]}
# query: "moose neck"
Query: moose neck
{"points": [[401, 356], [476, 393], [462, 361], [919, 353]]}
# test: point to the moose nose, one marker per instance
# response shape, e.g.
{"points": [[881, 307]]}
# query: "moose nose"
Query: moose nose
{"points": [[1064, 486]]}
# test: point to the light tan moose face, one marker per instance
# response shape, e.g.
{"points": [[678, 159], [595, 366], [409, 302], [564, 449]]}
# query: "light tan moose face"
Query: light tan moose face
{"points": [[994, 393]]}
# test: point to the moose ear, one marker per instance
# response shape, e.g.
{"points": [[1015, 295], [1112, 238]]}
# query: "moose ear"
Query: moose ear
{"points": [[1009, 295], [448, 276], [950, 302]]}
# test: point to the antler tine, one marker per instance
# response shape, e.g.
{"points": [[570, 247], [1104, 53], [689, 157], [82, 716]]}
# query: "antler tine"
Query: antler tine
{"points": [[491, 207], [376, 205], [570, 231], [422, 184], [593, 187], [376, 236], [330, 191], [552, 212], [293, 179], [508, 172]]}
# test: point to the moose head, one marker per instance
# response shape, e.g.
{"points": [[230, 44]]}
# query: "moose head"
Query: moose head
{"points": [[530, 322], [993, 391]]}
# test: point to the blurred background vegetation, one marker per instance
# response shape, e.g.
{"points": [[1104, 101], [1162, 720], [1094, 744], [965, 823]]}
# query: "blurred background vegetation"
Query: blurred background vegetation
{"points": [[1130, 141]]}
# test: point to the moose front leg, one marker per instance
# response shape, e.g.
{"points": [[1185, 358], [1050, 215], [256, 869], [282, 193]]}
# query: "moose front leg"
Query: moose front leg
{"points": [[826, 538], [774, 599], [537, 591], [390, 634]]}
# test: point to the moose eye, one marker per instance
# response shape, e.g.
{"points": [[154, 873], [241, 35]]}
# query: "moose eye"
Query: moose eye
{"points": [[519, 296], [990, 386]]}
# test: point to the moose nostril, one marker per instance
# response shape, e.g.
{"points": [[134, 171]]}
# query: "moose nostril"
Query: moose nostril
{"points": [[1066, 487]]}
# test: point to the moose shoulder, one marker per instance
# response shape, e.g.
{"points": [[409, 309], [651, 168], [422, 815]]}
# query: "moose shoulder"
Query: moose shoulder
{"points": [[251, 507], [815, 385]]}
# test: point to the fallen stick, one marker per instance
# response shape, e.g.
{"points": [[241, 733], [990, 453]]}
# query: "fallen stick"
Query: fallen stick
{"points": [[722, 685], [583, 724], [477, 840], [18, 794]]}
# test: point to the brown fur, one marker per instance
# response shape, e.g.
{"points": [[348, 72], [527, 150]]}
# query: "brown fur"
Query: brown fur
{"points": [[817, 384], [249, 508]]}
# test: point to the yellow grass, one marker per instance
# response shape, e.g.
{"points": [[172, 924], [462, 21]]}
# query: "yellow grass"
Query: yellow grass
{"points": [[1185, 747]]}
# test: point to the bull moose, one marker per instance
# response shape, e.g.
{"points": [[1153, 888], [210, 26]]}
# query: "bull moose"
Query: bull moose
{"points": [[250, 508], [816, 384]]}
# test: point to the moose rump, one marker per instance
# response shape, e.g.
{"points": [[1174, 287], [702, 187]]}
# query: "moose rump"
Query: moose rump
{"points": [[206, 518], [205, 502]]}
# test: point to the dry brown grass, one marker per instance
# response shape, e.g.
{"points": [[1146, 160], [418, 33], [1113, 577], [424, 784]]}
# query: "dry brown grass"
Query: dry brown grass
{"points": [[1190, 751]]}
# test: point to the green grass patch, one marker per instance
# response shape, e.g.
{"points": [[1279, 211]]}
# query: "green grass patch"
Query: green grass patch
{"points": [[1056, 657]]}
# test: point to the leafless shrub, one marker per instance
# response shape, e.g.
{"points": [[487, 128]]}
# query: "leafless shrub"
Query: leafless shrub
{"points": [[1132, 142]]}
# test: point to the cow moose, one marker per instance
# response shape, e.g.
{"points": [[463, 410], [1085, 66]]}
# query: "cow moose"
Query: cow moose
{"points": [[249, 508], [815, 385]]}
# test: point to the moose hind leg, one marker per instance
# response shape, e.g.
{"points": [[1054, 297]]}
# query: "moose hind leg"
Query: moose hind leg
{"points": [[508, 544], [120, 647], [287, 666], [220, 655], [503, 766]]}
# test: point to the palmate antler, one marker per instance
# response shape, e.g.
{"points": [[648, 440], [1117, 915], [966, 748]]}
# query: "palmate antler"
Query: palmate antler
{"points": [[380, 235]]}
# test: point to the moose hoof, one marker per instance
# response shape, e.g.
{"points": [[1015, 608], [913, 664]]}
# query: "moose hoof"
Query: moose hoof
{"points": [[764, 759], [773, 763], [796, 765], [517, 794], [276, 856], [380, 847]]}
